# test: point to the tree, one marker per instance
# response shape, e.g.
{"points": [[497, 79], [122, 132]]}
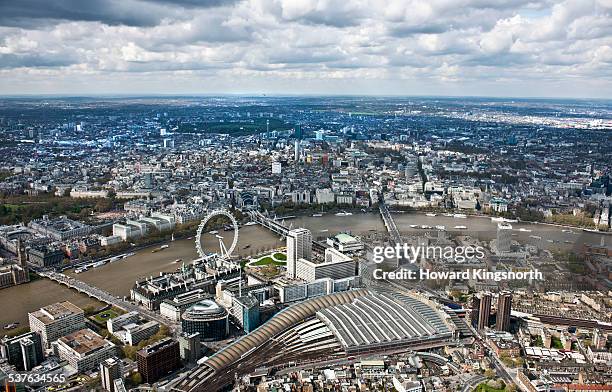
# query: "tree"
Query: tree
{"points": [[489, 373], [89, 310], [129, 351], [511, 388], [103, 205], [136, 378]]}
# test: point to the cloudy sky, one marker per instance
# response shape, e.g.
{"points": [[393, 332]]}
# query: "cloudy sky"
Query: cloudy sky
{"points": [[407, 47]]}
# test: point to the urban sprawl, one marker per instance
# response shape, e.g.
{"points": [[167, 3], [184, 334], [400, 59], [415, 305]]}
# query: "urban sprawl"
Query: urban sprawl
{"points": [[201, 244]]}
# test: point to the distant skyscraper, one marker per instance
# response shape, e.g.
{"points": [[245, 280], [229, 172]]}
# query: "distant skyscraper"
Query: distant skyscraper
{"points": [[296, 152], [110, 370], [147, 179], [298, 132], [504, 306], [168, 143], [299, 246], [481, 310], [504, 237], [276, 167]]}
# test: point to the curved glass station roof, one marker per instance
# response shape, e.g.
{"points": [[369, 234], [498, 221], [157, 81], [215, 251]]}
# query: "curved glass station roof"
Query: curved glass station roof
{"points": [[338, 324]]}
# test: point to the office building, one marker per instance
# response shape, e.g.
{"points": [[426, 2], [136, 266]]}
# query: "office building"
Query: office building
{"points": [[137, 332], [60, 228], [84, 350], [23, 351], [131, 329], [504, 306], [335, 265], [119, 385], [110, 370], [325, 196], [296, 290], [206, 318], [276, 167], [52, 322], [159, 359], [345, 243], [190, 347], [174, 308], [115, 324], [168, 143], [481, 310], [245, 310], [296, 151], [299, 246], [504, 237]]}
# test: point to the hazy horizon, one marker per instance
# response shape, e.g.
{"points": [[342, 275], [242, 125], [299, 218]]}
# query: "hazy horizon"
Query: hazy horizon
{"points": [[288, 95]]}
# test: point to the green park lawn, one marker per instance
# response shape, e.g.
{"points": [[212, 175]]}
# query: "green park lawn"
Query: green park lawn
{"points": [[105, 315]]}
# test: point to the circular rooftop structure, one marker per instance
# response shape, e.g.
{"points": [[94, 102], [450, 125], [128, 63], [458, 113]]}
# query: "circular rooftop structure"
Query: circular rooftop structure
{"points": [[206, 318], [346, 323]]}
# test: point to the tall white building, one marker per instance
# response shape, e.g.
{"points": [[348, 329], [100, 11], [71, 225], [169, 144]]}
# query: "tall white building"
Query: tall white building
{"points": [[276, 167], [299, 246], [504, 237], [296, 152]]}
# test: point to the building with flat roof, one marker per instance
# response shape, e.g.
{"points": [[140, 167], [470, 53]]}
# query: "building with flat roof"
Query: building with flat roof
{"points": [[190, 347], [504, 237], [173, 308], [23, 351], [335, 265], [345, 243], [56, 320], [110, 370], [131, 329], [60, 229], [504, 306], [292, 290], [481, 310], [245, 310], [84, 349], [299, 246], [158, 360]]}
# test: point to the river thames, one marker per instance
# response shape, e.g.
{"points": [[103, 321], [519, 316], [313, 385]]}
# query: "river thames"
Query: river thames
{"points": [[118, 277]]}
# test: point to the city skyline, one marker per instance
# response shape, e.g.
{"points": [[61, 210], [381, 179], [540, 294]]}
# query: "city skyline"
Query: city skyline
{"points": [[511, 49], [306, 195]]}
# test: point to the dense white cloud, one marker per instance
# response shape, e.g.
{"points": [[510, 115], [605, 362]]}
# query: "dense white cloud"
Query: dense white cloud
{"points": [[506, 47]]}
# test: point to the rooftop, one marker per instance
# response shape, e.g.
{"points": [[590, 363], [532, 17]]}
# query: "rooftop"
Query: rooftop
{"points": [[85, 341], [51, 313]]}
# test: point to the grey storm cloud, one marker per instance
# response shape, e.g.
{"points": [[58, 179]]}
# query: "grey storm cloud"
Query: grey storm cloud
{"points": [[32, 13]]}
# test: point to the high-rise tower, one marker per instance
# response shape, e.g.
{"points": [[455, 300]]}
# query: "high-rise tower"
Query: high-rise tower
{"points": [[504, 306], [299, 246]]}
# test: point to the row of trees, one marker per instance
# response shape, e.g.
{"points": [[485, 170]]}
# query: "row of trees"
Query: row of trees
{"points": [[24, 208]]}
